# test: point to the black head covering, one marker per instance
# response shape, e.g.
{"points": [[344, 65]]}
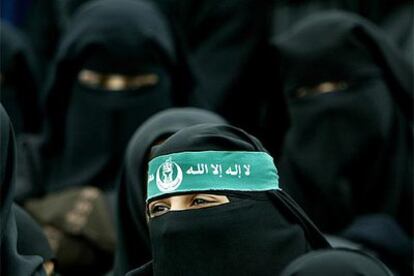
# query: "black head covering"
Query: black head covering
{"points": [[287, 12], [65, 10], [88, 128], [31, 240], [19, 81], [335, 262], [349, 150], [221, 240], [13, 262], [133, 245]]}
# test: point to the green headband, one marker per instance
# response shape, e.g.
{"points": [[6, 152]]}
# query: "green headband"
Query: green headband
{"points": [[211, 171]]}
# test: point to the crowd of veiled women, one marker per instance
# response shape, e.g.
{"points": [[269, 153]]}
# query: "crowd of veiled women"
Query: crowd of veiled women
{"points": [[144, 137]]}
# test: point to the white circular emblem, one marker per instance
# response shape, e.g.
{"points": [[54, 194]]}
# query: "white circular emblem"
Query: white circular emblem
{"points": [[169, 176]]}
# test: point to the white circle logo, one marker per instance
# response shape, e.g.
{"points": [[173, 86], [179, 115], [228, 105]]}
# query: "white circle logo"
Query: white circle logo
{"points": [[169, 176]]}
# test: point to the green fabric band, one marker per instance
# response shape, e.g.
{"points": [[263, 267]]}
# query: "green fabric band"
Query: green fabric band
{"points": [[211, 171]]}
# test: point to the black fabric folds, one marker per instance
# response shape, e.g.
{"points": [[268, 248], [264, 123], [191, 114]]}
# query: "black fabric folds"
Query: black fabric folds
{"points": [[65, 9], [221, 240], [336, 262], [228, 43], [133, 248], [87, 127], [31, 240], [400, 27], [382, 235], [349, 149], [13, 262], [287, 12], [19, 82]]}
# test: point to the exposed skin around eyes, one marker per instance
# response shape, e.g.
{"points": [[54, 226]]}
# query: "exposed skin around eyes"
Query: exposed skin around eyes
{"points": [[185, 202], [321, 88], [116, 82]]}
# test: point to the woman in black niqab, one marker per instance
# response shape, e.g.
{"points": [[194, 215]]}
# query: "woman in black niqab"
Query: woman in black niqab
{"points": [[117, 65], [349, 149], [133, 244], [221, 240], [12, 260], [19, 80]]}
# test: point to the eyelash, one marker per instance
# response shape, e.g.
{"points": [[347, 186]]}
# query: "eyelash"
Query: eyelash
{"points": [[204, 201], [155, 207]]}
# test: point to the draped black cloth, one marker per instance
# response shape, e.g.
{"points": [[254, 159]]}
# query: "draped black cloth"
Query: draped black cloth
{"points": [[13, 262], [45, 24], [228, 44], [383, 236], [88, 127], [399, 25], [256, 233], [133, 247], [288, 12], [334, 262], [32, 239], [349, 149], [19, 82]]}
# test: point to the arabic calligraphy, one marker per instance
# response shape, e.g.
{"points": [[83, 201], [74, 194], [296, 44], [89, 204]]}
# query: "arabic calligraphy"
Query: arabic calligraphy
{"points": [[219, 170], [237, 170]]}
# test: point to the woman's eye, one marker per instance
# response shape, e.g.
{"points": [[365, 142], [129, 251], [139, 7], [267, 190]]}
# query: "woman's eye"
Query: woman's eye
{"points": [[158, 210], [89, 78], [201, 201], [322, 88]]}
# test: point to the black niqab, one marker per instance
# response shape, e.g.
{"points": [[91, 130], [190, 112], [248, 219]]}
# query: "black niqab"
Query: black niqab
{"points": [[395, 16], [350, 150], [133, 248], [88, 127], [220, 240], [13, 262]]}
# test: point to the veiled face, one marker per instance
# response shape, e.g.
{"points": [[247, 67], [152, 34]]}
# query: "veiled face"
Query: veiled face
{"points": [[184, 202]]}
